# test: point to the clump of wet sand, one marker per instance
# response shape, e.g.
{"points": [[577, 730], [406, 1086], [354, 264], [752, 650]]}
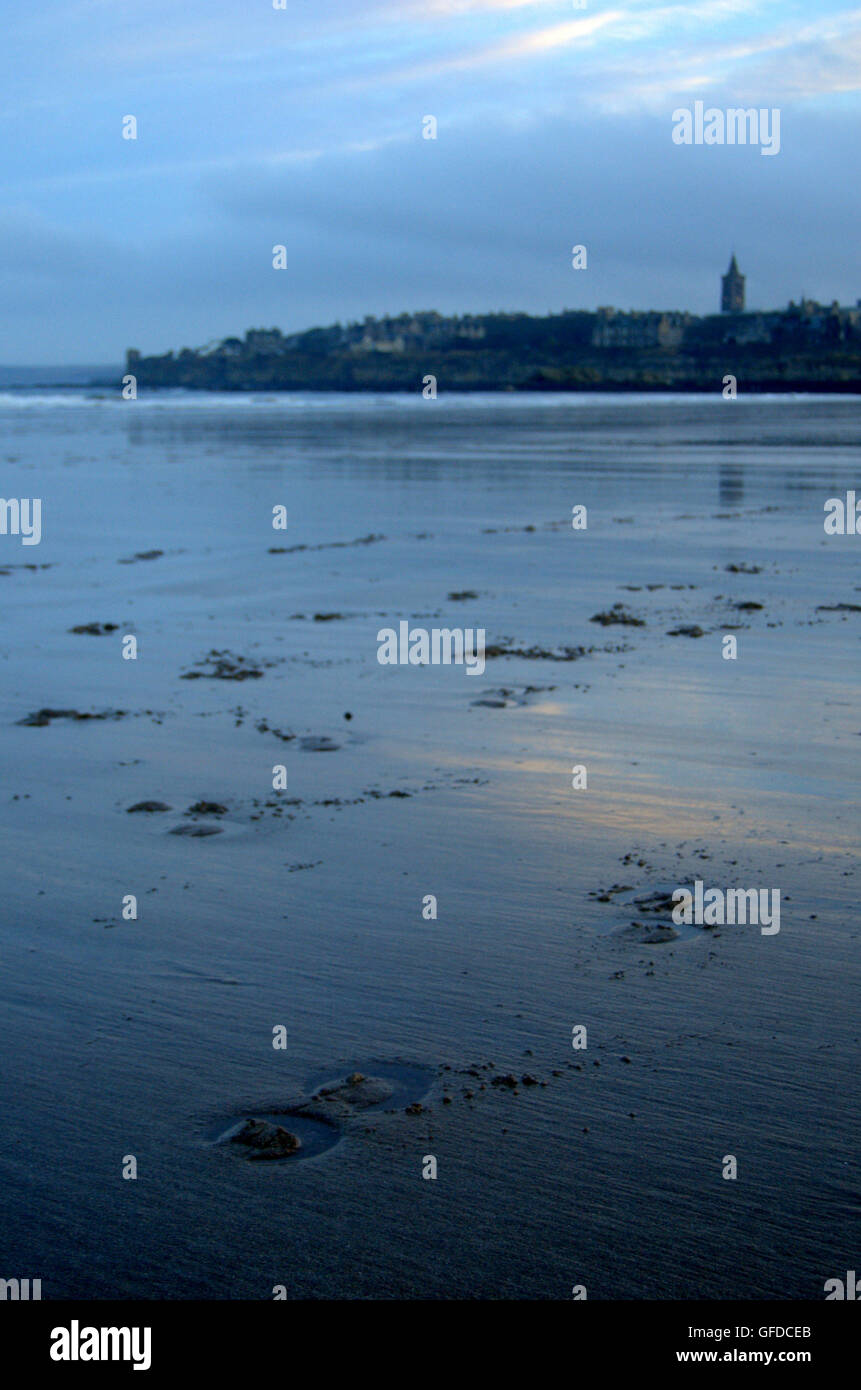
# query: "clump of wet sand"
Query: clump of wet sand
{"points": [[142, 555], [224, 666], [40, 718], [346, 1097], [267, 1140], [536, 653], [618, 614]]}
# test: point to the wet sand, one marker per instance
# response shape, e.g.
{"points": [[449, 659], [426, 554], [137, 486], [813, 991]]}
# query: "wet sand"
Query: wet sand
{"points": [[301, 908]]}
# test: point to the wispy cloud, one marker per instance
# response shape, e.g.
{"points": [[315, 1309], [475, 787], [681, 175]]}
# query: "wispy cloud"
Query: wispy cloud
{"points": [[259, 125]]}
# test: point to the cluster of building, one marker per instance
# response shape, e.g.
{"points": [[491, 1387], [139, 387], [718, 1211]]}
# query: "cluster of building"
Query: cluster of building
{"points": [[802, 322], [806, 321], [805, 324]]}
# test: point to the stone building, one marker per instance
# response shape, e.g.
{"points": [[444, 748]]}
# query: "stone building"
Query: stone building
{"points": [[732, 290], [613, 328]]}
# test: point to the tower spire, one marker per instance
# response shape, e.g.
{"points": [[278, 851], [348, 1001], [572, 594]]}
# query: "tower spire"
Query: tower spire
{"points": [[732, 289]]}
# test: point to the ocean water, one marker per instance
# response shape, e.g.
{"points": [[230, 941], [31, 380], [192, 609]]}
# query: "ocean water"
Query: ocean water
{"points": [[142, 1037]]}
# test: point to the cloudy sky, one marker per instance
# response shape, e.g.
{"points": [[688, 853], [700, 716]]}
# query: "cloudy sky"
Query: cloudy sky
{"points": [[302, 126]]}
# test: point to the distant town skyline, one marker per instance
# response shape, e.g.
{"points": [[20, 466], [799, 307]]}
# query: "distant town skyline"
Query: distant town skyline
{"points": [[263, 127], [731, 297]]}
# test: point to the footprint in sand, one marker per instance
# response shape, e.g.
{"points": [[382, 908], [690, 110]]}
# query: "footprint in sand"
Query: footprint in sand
{"points": [[308, 1129]]}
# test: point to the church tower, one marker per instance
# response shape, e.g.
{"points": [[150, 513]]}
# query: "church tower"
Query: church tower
{"points": [[732, 290]]}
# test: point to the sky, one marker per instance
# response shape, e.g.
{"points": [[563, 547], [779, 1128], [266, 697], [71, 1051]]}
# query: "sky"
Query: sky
{"points": [[302, 127]]}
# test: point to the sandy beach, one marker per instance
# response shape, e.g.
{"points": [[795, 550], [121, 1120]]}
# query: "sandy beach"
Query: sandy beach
{"points": [[301, 908]]}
